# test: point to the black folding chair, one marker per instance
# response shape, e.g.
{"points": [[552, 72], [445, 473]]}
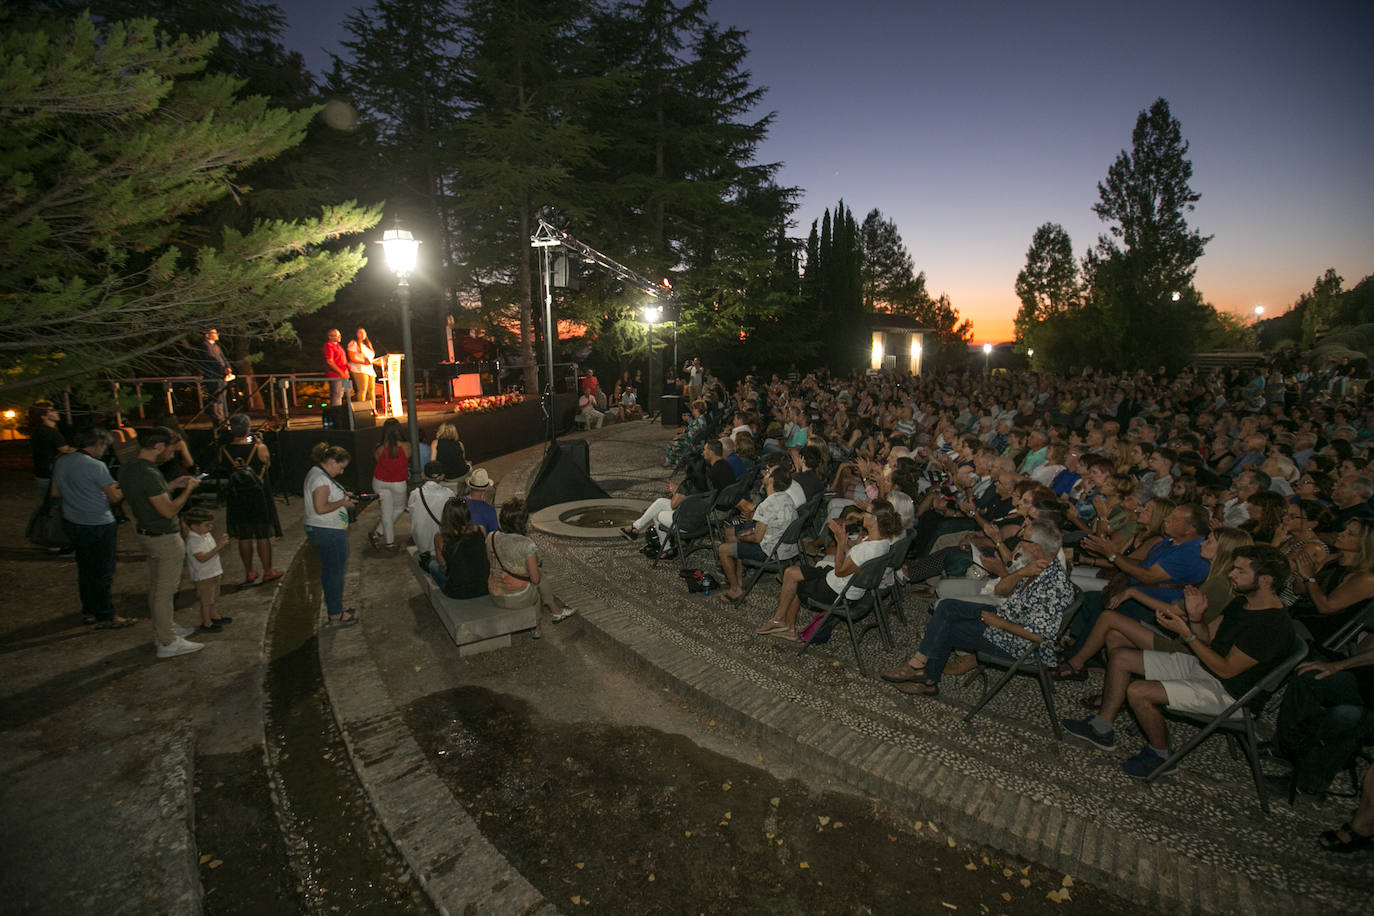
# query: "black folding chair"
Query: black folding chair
{"points": [[1239, 730], [852, 610], [771, 563], [691, 528], [1028, 662], [1341, 643], [728, 497], [896, 560]]}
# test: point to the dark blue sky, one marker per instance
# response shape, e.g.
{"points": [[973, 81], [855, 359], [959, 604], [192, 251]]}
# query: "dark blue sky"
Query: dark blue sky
{"points": [[970, 124]]}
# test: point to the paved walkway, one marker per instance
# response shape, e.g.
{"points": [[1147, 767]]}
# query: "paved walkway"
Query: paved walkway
{"points": [[1195, 842]]}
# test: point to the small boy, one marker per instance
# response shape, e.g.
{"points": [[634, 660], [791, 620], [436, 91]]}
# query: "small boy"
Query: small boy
{"points": [[202, 561]]}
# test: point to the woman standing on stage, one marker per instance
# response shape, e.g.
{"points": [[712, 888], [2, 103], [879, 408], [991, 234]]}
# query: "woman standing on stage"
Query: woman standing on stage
{"points": [[361, 356]]}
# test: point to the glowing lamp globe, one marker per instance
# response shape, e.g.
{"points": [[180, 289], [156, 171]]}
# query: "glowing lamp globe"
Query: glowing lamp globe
{"points": [[401, 249]]}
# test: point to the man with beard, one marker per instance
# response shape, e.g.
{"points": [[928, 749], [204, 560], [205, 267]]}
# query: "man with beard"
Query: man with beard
{"points": [[1229, 656]]}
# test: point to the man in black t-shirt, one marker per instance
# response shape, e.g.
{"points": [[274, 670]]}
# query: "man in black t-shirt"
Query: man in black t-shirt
{"points": [[1229, 657], [47, 443]]}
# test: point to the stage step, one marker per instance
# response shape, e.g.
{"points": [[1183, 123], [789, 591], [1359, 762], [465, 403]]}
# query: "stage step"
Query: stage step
{"points": [[474, 624]]}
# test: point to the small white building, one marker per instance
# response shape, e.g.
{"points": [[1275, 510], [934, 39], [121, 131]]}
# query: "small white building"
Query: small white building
{"points": [[897, 343]]}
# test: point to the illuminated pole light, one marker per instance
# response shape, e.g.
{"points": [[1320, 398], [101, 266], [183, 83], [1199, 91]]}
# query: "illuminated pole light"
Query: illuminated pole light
{"points": [[1259, 311], [651, 315], [402, 251]]}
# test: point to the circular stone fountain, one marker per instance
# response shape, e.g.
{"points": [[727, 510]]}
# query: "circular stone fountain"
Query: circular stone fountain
{"points": [[588, 519]]}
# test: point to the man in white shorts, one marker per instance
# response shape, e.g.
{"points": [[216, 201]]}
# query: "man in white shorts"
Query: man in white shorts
{"points": [[1229, 656]]}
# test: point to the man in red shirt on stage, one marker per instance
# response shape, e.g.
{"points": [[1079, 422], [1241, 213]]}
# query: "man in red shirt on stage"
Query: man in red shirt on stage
{"points": [[335, 367]]}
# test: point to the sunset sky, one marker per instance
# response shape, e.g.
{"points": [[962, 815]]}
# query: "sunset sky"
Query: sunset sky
{"points": [[970, 124]]}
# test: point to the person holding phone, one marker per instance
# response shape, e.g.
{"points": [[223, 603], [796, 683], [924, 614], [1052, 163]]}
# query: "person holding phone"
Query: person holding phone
{"points": [[156, 504], [326, 525]]}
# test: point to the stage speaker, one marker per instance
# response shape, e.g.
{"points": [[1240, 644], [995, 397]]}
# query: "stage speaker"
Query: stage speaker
{"points": [[563, 477], [364, 415], [340, 417], [672, 406]]}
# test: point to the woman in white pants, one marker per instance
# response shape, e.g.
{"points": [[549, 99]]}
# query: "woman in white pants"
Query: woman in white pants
{"points": [[389, 476]]}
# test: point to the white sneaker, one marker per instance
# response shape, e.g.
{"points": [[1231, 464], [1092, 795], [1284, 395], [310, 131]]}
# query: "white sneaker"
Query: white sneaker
{"points": [[181, 631], [179, 646]]}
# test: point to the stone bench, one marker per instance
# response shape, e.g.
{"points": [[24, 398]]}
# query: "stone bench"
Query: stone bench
{"points": [[474, 624]]}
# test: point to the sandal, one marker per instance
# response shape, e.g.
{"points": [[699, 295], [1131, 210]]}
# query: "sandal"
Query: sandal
{"points": [[1092, 701], [346, 619], [770, 625], [375, 540], [726, 599], [250, 579], [785, 632], [568, 611], [1069, 672], [1331, 840], [273, 576]]}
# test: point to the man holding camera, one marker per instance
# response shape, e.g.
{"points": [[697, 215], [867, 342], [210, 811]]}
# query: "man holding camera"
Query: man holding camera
{"points": [[155, 509]]}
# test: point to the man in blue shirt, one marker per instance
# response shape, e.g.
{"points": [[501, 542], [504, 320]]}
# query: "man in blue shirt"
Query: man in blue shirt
{"points": [[87, 490], [483, 512], [1174, 562]]}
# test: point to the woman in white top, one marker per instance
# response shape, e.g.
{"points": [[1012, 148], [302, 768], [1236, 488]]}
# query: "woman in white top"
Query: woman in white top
{"points": [[361, 356], [881, 526], [326, 525]]}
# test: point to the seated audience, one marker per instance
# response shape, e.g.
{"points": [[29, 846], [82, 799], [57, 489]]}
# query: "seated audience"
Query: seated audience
{"points": [[1033, 612], [1252, 635]]}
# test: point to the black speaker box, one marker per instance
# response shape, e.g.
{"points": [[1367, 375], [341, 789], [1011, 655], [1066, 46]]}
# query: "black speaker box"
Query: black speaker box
{"points": [[563, 477], [350, 416]]}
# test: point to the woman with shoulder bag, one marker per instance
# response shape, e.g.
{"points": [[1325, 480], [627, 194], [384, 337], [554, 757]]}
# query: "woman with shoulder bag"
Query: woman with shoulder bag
{"points": [[516, 579]]}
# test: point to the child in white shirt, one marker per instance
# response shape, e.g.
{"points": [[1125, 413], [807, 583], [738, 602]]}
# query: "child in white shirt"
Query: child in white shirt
{"points": [[202, 561]]}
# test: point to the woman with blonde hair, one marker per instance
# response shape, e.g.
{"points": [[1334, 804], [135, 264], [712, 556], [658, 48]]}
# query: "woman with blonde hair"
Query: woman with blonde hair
{"points": [[1092, 573], [447, 449], [1332, 591], [1115, 630], [682, 442]]}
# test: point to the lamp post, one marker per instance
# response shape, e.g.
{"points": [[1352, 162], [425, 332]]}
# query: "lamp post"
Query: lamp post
{"points": [[402, 250], [651, 313], [987, 359]]}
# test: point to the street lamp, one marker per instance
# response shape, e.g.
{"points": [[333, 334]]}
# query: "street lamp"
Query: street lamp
{"points": [[651, 315], [1259, 312], [987, 359], [402, 250]]}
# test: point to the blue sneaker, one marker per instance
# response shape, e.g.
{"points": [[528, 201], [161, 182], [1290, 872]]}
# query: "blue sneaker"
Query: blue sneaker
{"points": [[1143, 764], [1083, 730]]}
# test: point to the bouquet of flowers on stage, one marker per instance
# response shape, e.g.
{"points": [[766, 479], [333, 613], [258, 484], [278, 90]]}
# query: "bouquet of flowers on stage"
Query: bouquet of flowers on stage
{"points": [[487, 402]]}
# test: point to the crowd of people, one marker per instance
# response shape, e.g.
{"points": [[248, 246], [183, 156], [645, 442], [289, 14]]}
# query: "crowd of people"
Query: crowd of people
{"points": [[1197, 525]]}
